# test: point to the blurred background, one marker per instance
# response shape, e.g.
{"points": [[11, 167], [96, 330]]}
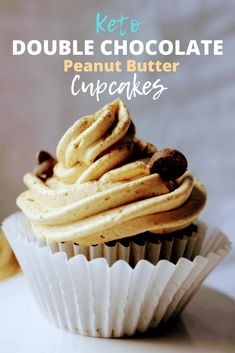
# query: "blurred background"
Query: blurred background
{"points": [[195, 115]]}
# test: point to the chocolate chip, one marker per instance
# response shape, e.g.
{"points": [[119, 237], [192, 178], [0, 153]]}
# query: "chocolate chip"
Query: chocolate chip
{"points": [[169, 163], [43, 156], [45, 165]]}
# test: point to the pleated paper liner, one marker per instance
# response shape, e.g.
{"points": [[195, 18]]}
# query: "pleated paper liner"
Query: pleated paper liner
{"points": [[95, 299], [148, 246], [152, 247]]}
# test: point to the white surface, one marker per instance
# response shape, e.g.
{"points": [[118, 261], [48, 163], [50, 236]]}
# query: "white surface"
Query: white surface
{"points": [[207, 325]]}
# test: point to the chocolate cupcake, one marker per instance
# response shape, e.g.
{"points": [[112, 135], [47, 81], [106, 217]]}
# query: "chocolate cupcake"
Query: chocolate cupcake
{"points": [[110, 205]]}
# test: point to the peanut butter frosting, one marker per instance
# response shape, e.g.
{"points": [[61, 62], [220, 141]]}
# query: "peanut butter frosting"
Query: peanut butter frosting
{"points": [[103, 185]]}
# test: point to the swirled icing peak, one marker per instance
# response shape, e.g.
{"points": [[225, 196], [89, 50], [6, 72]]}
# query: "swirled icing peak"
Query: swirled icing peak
{"points": [[96, 144], [105, 185]]}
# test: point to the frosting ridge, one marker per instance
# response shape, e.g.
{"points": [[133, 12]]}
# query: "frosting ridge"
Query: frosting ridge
{"points": [[102, 186]]}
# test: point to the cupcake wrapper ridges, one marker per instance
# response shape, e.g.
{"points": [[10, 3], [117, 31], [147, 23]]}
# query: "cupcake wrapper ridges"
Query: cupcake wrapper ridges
{"points": [[109, 298]]}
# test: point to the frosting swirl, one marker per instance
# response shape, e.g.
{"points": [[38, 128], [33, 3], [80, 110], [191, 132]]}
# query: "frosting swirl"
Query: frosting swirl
{"points": [[102, 188]]}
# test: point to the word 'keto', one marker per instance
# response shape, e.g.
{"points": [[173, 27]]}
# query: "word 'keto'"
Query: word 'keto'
{"points": [[116, 25], [119, 47]]}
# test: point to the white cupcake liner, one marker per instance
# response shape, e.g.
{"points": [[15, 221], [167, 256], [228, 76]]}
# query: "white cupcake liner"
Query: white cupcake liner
{"points": [[168, 247], [132, 251], [95, 299]]}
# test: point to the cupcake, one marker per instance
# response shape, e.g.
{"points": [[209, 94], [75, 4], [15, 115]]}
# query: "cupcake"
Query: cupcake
{"points": [[109, 235]]}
